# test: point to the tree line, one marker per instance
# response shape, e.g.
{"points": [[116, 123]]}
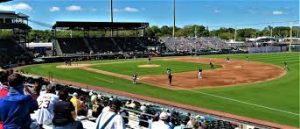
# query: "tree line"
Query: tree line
{"points": [[166, 31]]}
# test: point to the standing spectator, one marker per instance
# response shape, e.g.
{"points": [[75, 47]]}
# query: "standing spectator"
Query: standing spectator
{"points": [[64, 113], [110, 119], [75, 102], [16, 107], [44, 114], [162, 122]]}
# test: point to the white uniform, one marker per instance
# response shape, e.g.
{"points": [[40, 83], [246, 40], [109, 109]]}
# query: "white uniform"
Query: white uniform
{"points": [[115, 123], [160, 125], [44, 114]]}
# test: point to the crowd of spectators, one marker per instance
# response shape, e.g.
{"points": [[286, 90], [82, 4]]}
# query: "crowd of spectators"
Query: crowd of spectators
{"points": [[193, 43], [36, 103], [105, 44], [12, 53]]}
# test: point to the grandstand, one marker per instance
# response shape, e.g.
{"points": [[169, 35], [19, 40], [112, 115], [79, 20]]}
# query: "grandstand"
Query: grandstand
{"points": [[12, 49], [87, 45]]}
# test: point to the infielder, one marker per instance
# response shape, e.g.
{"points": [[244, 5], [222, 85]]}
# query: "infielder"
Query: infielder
{"points": [[200, 73], [134, 78], [169, 72]]}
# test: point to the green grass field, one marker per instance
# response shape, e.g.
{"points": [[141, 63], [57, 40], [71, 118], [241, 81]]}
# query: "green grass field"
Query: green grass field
{"points": [[275, 101], [129, 67]]}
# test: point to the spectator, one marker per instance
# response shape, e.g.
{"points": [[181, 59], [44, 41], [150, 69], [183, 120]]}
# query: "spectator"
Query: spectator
{"points": [[75, 102], [83, 107], [16, 107], [125, 115], [64, 113], [3, 88], [162, 122], [110, 119], [3, 84], [97, 106], [46, 103]]}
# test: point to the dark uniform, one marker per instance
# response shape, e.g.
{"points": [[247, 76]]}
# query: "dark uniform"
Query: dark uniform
{"points": [[169, 72], [134, 78], [211, 65]]}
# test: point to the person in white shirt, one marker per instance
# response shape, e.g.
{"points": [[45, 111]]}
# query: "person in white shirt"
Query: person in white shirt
{"points": [[162, 122], [111, 119], [46, 101]]}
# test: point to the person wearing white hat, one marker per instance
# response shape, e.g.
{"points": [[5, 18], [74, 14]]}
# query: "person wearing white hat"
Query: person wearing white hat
{"points": [[162, 122], [75, 102]]}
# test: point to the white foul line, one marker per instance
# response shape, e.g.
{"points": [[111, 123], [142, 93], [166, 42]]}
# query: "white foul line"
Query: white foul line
{"points": [[247, 103]]}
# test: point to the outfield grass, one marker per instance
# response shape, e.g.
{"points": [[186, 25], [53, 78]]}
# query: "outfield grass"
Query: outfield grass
{"points": [[281, 94], [128, 68]]}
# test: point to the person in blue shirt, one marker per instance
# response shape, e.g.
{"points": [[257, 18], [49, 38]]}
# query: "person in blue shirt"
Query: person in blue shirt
{"points": [[16, 107]]}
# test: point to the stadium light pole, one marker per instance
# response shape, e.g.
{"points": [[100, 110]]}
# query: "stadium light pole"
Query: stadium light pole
{"points": [[291, 35], [174, 17], [111, 18]]}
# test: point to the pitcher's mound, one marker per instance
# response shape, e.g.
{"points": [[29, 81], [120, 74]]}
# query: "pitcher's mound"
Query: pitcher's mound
{"points": [[149, 66], [72, 66]]}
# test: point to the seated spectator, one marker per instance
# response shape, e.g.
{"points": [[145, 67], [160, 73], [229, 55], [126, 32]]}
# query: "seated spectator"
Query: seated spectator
{"points": [[111, 119], [33, 90], [3, 88], [64, 113], [83, 107], [162, 122], [97, 106], [75, 102], [125, 115], [16, 107], [44, 114], [3, 84]]}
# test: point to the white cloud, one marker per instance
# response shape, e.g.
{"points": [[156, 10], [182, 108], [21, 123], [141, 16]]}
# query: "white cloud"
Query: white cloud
{"points": [[126, 9], [73, 8], [130, 9], [18, 6], [277, 12], [54, 9], [217, 11]]}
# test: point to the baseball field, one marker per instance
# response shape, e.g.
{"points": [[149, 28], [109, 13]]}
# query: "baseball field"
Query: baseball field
{"points": [[256, 87]]}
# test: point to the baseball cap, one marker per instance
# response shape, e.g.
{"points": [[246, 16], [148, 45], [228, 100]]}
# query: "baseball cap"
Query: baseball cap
{"points": [[163, 116], [75, 94], [116, 104]]}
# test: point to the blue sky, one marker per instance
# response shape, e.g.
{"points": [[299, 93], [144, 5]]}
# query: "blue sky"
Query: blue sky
{"points": [[211, 13]]}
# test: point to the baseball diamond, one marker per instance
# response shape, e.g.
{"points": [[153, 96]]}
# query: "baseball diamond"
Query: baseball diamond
{"points": [[239, 80]]}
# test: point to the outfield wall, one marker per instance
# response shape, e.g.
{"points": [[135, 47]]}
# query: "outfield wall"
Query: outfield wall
{"points": [[267, 49]]}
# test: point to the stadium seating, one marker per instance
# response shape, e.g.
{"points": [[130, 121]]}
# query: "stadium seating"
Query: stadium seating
{"points": [[191, 43], [105, 44], [73, 45], [140, 113], [12, 53]]}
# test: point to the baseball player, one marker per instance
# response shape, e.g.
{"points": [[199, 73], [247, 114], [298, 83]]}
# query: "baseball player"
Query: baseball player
{"points": [[149, 59], [169, 72], [285, 65], [134, 78], [211, 65], [200, 73], [227, 59]]}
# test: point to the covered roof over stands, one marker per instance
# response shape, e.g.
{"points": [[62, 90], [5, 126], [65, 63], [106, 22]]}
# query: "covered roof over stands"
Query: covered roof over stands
{"points": [[4, 1], [14, 26], [99, 25]]}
